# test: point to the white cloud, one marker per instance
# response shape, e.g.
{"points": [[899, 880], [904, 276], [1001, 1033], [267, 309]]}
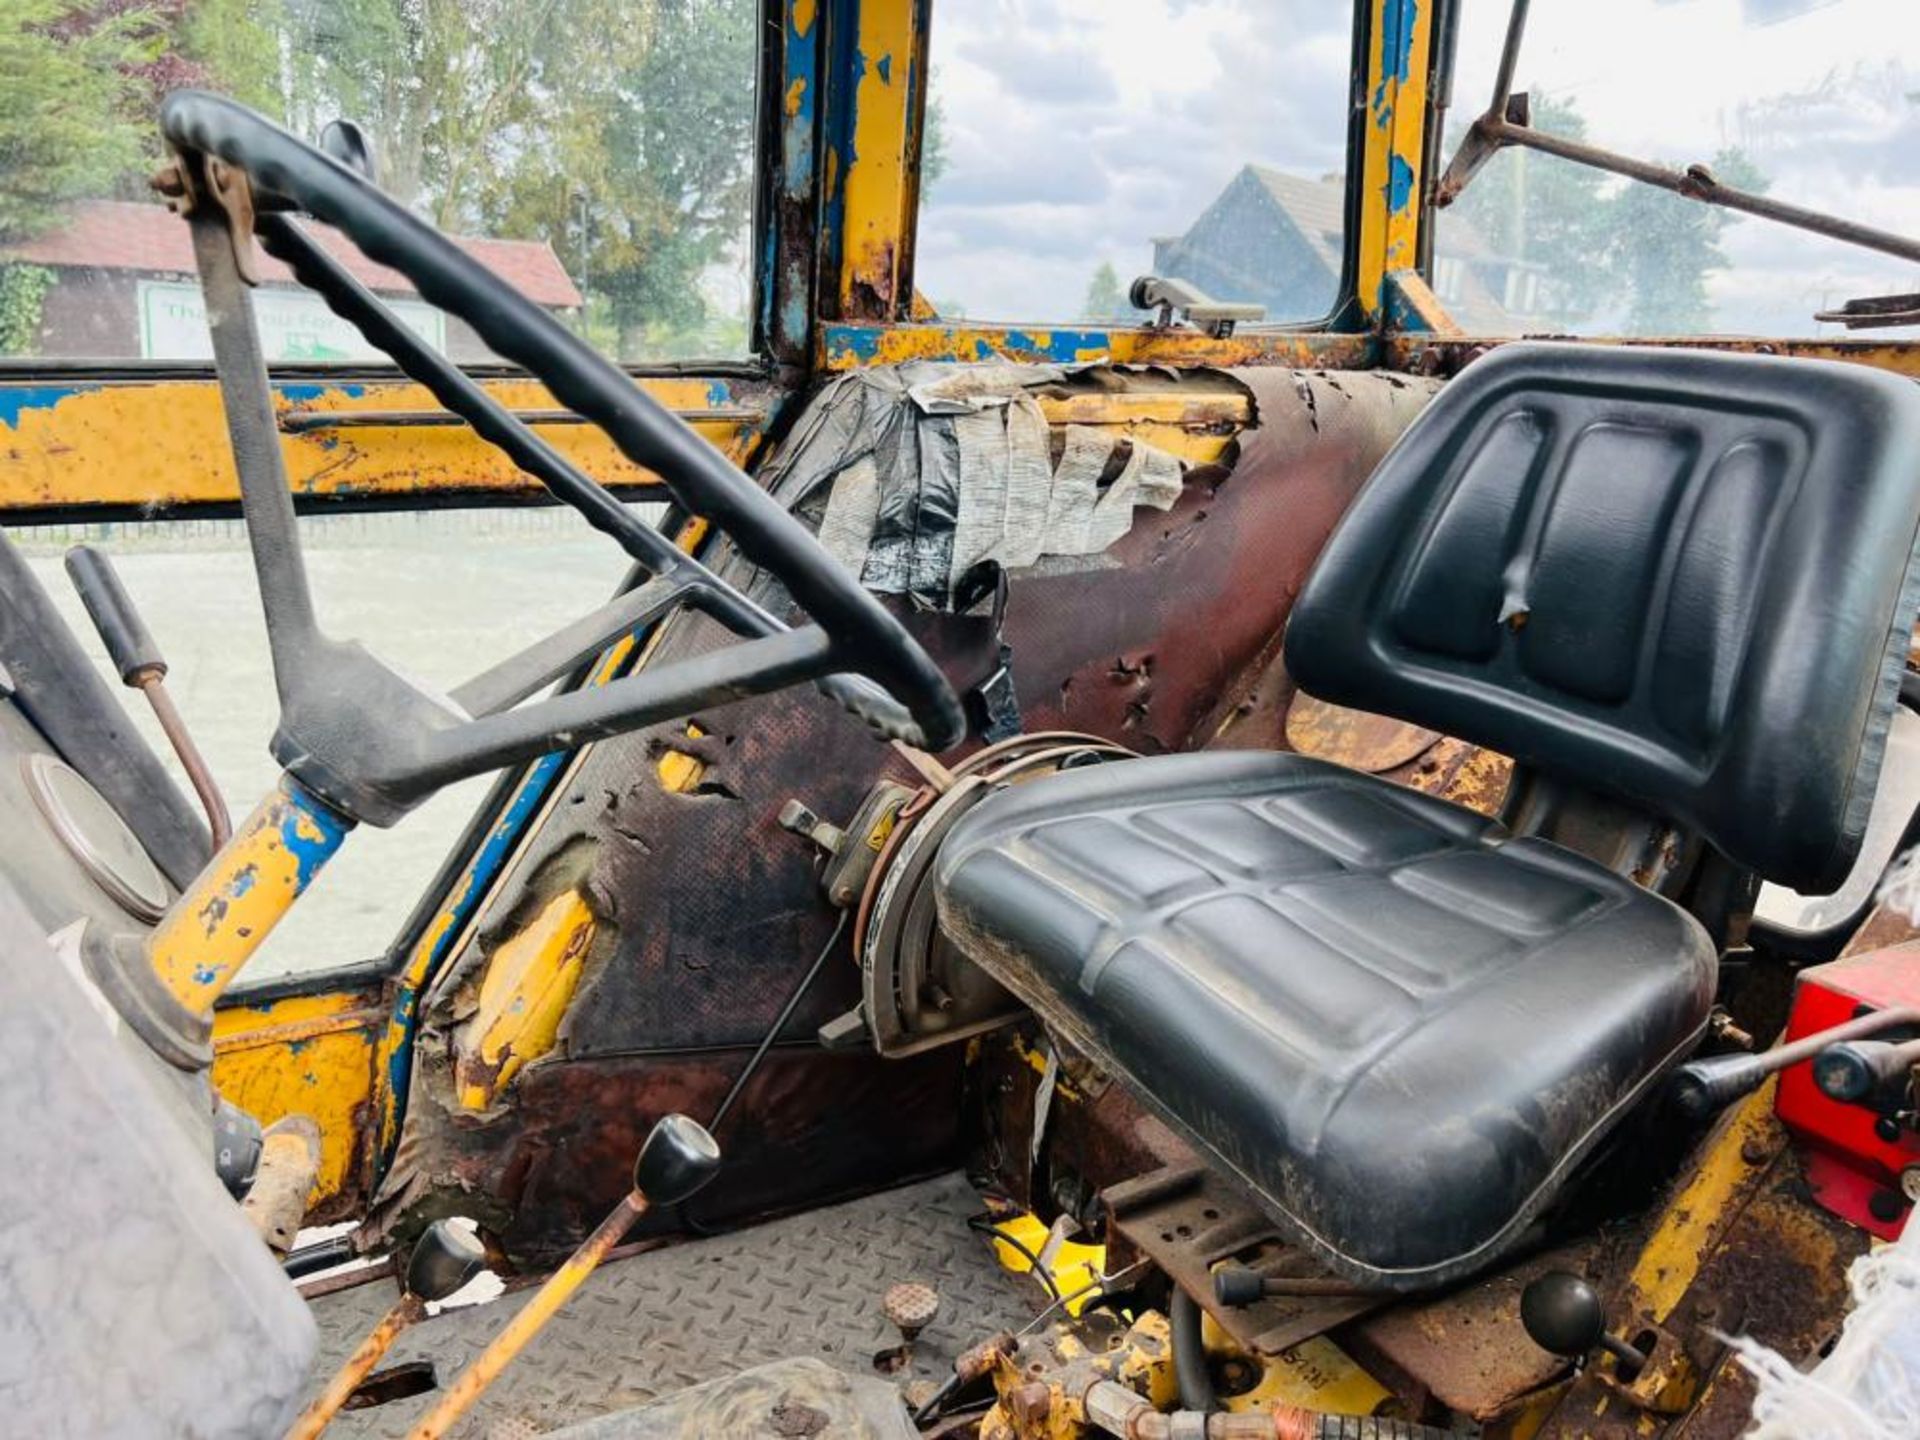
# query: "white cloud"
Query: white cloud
{"points": [[1076, 133]]}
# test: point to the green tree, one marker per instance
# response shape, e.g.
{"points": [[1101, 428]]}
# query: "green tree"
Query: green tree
{"points": [[1544, 212], [1105, 300], [1665, 246], [71, 79]]}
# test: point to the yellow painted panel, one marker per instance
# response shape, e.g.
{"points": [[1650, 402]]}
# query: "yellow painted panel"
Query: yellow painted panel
{"points": [[1398, 54], [1691, 1222], [529, 981], [851, 347], [306, 1055], [879, 193], [165, 443]]}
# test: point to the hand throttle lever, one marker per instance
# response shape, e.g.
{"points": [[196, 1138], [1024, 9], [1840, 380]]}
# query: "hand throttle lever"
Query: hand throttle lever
{"points": [[1702, 1087], [131, 648]]}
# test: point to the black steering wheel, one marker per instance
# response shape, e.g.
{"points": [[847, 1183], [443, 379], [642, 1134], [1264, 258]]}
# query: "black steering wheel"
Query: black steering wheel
{"points": [[363, 738]]}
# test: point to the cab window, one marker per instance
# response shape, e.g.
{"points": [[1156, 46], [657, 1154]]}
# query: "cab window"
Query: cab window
{"points": [[597, 154], [1812, 101], [1072, 148]]}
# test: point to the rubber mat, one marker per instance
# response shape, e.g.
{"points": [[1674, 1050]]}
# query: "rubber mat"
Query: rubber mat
{"points": [[656, 1323]]}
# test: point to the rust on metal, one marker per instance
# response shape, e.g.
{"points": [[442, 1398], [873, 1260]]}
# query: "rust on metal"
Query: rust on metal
{"points": [[1447, 356], [1468, 1347], [289, 1164], [354, 1371], [1354, 738], [1187, 1221], [1148, 649], [531, 1318]]}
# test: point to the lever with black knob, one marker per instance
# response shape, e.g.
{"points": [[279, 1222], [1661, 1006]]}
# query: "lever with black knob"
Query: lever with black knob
{"points": [[1859, 1071], [131, 648], [1702, 1087], [678, 1158], [1563, 1315], [444, 1259]]}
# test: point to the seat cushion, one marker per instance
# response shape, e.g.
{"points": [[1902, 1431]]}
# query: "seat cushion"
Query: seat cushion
{"points": [[1397, 1024]]}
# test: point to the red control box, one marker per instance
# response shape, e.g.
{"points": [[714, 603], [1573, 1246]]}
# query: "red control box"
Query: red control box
{"points": [[1853, 1167]]}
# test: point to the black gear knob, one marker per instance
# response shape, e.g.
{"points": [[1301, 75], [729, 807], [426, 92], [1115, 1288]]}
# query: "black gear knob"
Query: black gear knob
{"points": [[445, 1257], [1562, 1314], [678, 1158]]}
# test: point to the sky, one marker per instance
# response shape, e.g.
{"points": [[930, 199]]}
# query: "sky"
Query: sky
{"points": [[1075, 133]]}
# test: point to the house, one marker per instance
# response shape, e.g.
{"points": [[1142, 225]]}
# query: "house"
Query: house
{"points": [[1277, 240], [125, 286]]}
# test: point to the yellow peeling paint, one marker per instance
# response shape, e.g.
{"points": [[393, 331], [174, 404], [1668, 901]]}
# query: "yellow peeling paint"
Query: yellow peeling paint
{"points": [[795, 92], [880, 179], [895, 344], [161, 444], [306, 1055], [1394, 120], [211, 931], [529, 981], [679, 771], [803, 12], [1736, 1154]]}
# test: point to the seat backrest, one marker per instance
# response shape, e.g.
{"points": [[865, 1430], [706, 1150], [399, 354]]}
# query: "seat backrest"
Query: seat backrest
{"points": [[1678, 577]]}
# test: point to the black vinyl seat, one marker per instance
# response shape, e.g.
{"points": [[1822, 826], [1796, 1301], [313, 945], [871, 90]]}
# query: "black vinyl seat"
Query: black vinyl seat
{"points": [[1683, 580]]}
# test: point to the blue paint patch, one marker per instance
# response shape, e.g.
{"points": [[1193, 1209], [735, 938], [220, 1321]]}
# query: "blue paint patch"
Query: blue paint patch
{"points": [[248, 877], [311, 832], [1399, 184], [484, 868], [1397, 23], [16, 400], [294, 1047], [303, 394], [1062, 347], [717, 396], [885, 69], [205, 974], [862, 342]]}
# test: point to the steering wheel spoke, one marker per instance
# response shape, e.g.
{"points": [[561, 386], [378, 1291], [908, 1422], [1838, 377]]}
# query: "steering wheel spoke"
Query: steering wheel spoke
{"points": [[646, 697], [374, 755]]}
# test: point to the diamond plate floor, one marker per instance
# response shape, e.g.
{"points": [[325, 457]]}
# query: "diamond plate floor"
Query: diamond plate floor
{"points": [[656, 1323]]}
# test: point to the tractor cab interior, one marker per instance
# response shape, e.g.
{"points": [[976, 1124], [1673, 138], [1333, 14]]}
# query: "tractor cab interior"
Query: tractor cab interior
{"points": [[1182, 878]]}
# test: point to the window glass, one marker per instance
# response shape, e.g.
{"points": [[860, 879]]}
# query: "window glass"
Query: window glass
{"points": [[498, 580], [1072, 148], [596, 154], [1811, 101]]}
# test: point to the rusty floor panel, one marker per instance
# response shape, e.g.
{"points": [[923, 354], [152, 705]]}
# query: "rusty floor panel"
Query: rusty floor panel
{"points": [[657, 1323]]}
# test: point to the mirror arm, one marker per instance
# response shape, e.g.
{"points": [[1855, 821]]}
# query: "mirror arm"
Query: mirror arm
{"points": [[1507, 123]]}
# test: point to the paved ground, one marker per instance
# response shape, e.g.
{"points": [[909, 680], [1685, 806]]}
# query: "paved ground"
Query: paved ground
{"points": [[656, 1323], [437, 594]]}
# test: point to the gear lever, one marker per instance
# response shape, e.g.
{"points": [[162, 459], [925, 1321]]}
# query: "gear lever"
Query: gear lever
{"points": [[678, 1158], [444, 1259]]}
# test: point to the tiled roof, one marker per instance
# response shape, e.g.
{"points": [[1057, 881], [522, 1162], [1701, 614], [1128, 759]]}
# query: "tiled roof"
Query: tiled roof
{"points": [[122, 235], [1317, 207]]}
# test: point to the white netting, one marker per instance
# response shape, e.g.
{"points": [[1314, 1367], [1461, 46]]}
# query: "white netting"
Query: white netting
{"points": [[1869, 1387]]}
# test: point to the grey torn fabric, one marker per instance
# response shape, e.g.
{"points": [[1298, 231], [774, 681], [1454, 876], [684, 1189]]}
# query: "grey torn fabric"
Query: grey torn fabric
{"points": [[921, 473], [853, 507]]}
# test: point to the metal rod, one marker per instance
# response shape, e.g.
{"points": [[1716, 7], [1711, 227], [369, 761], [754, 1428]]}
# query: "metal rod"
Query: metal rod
{"points": [[306, 422], [219, 819], [532, 1316], [1696, 182], [347, 1379], [1509, 58], [779, 1024]]}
